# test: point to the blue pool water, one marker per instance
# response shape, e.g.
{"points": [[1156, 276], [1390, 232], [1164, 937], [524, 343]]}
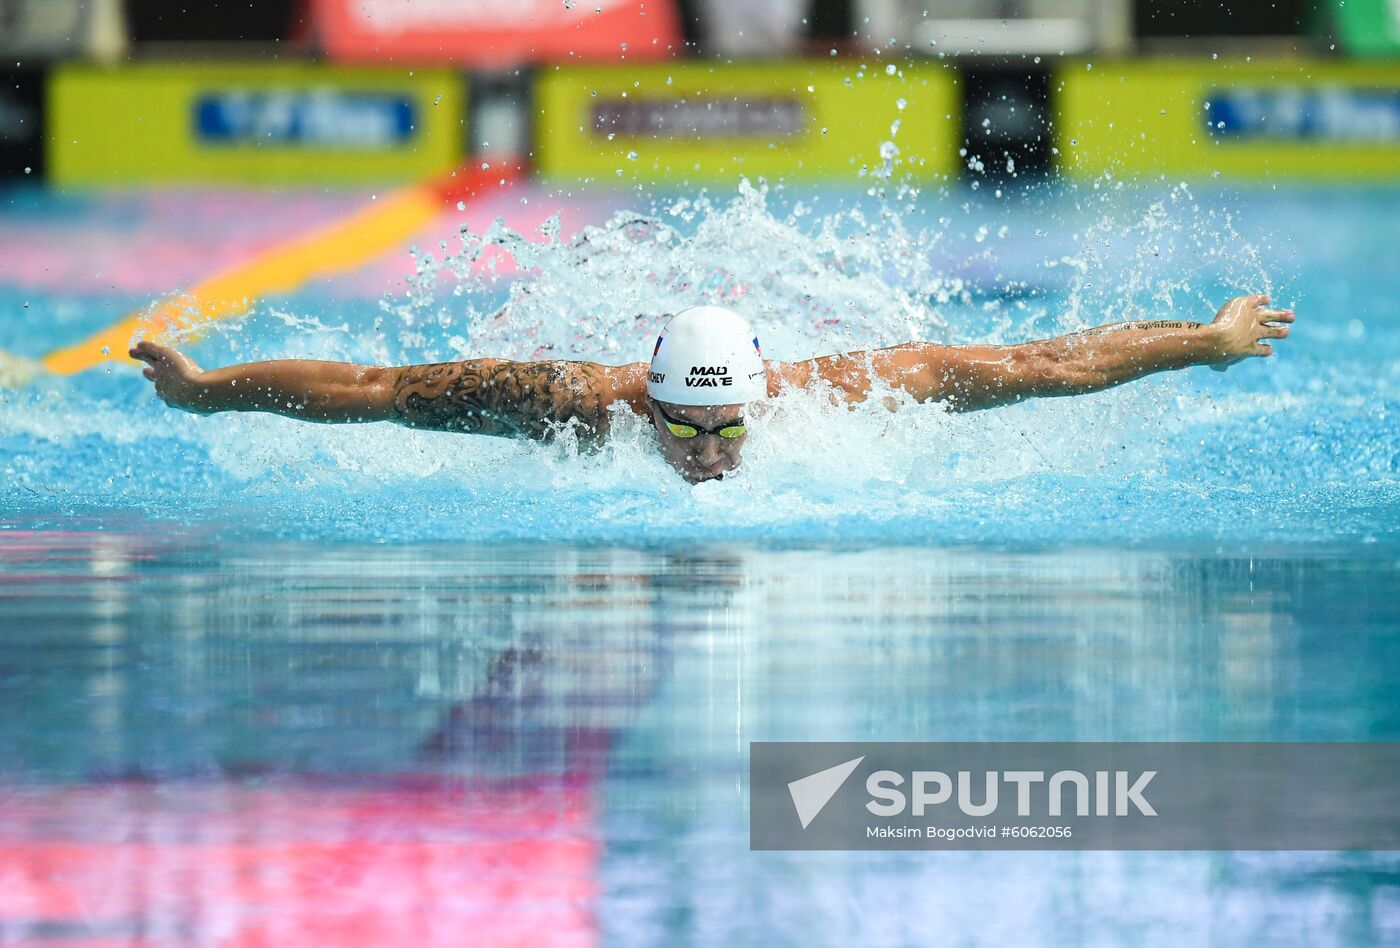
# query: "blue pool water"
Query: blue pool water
{"points": [[267, 683], [1300, 449]]}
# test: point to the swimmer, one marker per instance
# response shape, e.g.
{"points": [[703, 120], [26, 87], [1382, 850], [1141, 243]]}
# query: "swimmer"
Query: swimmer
{"points": [[705, 372]]}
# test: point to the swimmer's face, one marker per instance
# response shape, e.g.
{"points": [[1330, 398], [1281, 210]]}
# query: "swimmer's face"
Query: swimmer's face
{"points": [[707, 456]]}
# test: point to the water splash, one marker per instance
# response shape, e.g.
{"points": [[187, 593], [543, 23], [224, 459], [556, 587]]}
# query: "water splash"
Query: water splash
{"points": [[1184, 455]]}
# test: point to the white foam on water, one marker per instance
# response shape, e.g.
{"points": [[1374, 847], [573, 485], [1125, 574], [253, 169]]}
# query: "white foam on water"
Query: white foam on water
{"points": [[811, 280]]}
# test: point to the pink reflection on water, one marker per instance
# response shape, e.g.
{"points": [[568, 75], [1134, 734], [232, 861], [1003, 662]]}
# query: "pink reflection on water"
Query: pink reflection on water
{"points": [[417, 862], [161, 242]]}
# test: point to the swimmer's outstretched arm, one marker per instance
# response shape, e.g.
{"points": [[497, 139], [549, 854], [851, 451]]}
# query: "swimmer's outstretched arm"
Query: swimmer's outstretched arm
{"points": [[478, 396], [968, 378]]}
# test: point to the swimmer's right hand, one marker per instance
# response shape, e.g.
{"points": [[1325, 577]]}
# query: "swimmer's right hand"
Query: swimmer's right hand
{"points": [[179, 380]]}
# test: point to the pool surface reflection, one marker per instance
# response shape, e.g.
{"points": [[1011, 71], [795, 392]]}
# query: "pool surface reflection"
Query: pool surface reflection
{"points": [[298, 743]]}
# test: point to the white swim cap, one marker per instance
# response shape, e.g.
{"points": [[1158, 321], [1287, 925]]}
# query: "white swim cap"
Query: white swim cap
{"points": [[707, 355]]}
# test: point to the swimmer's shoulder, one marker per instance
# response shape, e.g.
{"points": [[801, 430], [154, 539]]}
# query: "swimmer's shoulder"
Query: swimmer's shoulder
{"points": [[625, 384]]}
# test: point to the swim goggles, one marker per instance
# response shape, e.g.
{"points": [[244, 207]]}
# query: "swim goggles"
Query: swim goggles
{"points": [[687, 429]]}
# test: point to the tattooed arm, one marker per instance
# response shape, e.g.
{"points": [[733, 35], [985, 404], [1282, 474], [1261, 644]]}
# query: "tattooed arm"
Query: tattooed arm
{"points": [[497, 397], [479, 396], [968, 378]]}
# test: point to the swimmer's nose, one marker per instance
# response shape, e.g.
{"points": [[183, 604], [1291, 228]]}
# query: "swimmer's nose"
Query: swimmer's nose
{"points": [[709, 454]]}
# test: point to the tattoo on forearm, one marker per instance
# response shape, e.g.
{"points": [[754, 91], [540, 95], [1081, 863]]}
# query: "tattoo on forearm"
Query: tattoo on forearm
{"points": [[1150, 324], [513, 399]]}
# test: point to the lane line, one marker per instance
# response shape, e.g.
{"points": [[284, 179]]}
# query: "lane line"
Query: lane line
{"points": [[339, 247]]}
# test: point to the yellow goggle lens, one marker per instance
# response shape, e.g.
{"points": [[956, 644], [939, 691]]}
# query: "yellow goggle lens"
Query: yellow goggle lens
{"points": [[687, 431]]}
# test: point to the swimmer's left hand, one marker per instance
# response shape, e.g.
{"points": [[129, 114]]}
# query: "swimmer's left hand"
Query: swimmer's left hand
{"points": [[1242, 325]]}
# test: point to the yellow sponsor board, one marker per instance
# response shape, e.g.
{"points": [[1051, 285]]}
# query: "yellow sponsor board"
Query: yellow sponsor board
{"points": [[216, 123], [711, 123], [1285, 119]]}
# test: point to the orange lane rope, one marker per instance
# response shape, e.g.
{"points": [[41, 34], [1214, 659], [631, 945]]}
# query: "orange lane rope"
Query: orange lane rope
{"points": [[339, 247]]}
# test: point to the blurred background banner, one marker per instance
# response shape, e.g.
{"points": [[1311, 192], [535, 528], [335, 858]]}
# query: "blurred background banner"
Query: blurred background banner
{"points": [[1289, 118], [252, 123], [699, 91], [496, 33], [696, 121]]}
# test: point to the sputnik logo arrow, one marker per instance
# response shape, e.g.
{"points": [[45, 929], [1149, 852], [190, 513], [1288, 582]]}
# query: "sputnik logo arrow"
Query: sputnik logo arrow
{"points": [[812, 793]]}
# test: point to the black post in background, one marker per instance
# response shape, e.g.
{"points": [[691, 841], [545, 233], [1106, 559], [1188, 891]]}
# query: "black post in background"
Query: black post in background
{"points": [[1007, 122], [22, 122]]}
